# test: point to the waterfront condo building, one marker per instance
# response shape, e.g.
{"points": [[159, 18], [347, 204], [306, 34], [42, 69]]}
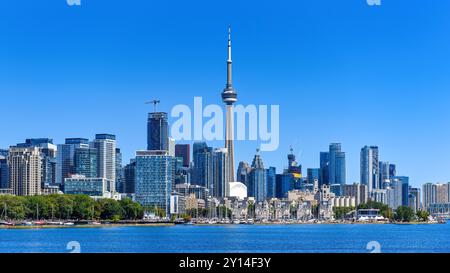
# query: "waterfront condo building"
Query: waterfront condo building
{"points": [[91, 186], [25, 171], [154, 177]]}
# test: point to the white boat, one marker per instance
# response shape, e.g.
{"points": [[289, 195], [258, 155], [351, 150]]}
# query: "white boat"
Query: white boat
{"points": [[69, 224]]}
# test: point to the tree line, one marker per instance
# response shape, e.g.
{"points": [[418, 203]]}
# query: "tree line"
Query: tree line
{"points": [[68, 207]]}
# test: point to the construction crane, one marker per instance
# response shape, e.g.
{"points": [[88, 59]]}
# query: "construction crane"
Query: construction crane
{"points": [[155, 104]]}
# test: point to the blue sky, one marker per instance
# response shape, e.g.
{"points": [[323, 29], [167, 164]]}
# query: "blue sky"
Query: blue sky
{"points": [[341, 71]]}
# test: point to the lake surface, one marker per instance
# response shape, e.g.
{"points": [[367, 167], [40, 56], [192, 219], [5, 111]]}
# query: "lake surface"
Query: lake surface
{"points": [[230, 239]]}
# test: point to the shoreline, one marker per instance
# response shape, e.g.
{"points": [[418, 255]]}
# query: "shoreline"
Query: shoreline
{"points": [[112, 225]]}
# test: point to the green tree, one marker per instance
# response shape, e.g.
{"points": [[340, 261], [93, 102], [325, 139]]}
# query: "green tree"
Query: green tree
{"points": [[84, 207], [131, 210], [37, 207], [110, 209], [340, 213], [12, 207], [423, 215], [404, 214]]}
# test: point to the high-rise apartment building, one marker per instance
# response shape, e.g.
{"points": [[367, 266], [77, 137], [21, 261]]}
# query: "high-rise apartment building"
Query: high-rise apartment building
{"points": [[86, 162], [369, 163], [65, 159], [106, 156], [154, 178], [220, 172], [25, 168]]}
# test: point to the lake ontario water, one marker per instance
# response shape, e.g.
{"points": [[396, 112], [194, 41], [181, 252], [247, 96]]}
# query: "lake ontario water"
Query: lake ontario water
{"points": [[230, 239]]}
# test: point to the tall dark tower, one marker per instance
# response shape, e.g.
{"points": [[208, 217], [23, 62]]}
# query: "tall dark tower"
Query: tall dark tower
{"points": [[229, 97], [157, 130]]}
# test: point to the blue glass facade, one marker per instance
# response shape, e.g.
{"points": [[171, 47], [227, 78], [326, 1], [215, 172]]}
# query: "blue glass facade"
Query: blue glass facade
{"points": [[65, 159], [129, 173], [4, 177], [87, 186], [285, 183], [154, 178], [324, 169], [271, 182], [86, 162], [203, 166], [313, 176], [157, 132]]}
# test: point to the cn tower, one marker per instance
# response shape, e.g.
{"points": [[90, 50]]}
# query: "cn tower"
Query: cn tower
{"points": [[229, 97]]}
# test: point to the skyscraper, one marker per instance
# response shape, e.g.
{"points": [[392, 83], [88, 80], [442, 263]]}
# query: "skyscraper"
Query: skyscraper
{"points": [[271, 182], [25, 167], [130, 177], [157, 132], [370, 172], [324, 178], [65, 159], [221, 167], [183, 151], [429, 195], [229, 97], [414, 199], [203, 166], [48, 155], [106, 156], [258, 180], [384, 174], [4, 172], [154, 178], [243, 173], [119, 171], [86, 162], [337, 167]]}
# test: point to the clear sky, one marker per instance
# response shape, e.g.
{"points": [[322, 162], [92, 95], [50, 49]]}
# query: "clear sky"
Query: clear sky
{"points": [[341, 71]]}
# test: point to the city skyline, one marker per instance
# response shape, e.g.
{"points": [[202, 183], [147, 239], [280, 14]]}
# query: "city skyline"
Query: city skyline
{"points": [[307, 104]]}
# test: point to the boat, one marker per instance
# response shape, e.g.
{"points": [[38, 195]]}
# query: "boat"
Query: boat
{"points": [[53, 223], [179, 221], [69, 224], [6, 223], [236, 222], [39, 223]]}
